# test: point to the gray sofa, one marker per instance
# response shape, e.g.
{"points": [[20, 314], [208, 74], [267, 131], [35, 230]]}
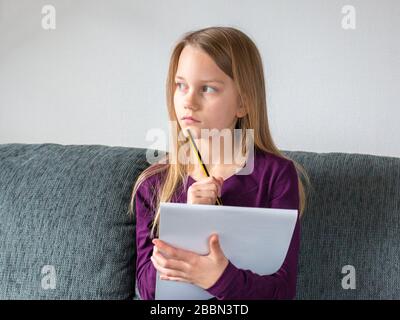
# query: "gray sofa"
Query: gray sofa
{"points": [[65, 232]]}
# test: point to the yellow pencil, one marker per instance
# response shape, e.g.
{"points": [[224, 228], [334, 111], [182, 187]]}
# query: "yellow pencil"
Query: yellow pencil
{"points": [[197, 152]]}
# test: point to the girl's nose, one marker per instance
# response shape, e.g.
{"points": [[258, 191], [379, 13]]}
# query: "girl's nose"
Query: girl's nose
{"points": [[190, 100]]}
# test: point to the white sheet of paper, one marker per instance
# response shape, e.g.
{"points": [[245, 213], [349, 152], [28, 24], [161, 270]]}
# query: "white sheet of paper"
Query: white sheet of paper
{"points": [[252, 238]]}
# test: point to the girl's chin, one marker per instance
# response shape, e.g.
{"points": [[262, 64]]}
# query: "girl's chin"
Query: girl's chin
{"points": [[195, 131]]}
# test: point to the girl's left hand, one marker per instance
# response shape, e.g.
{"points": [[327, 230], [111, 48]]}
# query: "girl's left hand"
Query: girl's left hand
{"points": [[187, 266]]}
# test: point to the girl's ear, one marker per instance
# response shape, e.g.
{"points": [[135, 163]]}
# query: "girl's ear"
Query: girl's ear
{"points": [[241, 112]]}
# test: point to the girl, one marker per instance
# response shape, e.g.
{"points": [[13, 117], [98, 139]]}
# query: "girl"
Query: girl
{"points": [[216, 77]]}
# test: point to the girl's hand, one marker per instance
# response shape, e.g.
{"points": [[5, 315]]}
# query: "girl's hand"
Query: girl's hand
{"points": [[205, 191], [187, 266]]}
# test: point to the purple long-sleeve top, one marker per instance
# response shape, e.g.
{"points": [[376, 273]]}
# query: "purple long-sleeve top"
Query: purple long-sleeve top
{"points": [[273, 183]]}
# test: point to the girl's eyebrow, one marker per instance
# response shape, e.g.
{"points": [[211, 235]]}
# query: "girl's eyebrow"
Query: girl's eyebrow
{"points": [[211, 80]]}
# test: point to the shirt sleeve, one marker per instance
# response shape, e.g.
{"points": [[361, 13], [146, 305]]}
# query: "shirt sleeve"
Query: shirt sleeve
{"points": [[145, 270], [235, 283]]}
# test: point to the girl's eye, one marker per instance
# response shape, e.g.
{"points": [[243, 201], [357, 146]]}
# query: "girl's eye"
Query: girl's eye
{"points": [[210, 88], [178, 84]]}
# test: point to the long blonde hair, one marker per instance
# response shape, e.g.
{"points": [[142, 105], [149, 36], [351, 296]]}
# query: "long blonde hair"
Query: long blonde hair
{"points": [[236, 55]]}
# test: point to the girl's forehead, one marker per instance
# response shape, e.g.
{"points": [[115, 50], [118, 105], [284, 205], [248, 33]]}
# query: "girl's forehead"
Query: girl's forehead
{"points": [[192, 56], [198, 65]]}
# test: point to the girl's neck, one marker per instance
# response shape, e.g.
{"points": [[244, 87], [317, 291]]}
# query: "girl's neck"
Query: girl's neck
{"points": [[216, 158]]}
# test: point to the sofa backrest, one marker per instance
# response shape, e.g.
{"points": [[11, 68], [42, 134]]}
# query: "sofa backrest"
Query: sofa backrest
{"points": [[65, 232], [351, 227]]}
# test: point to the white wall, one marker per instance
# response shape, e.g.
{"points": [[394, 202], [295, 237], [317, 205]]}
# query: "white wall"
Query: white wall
{"points": [[99, 77]]}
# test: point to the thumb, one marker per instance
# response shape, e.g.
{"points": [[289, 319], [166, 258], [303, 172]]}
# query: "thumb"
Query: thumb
{"points": [[221, 181], [214, 244]]}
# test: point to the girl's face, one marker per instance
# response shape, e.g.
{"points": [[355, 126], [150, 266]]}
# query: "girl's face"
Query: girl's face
{"points": [[203, 91]]}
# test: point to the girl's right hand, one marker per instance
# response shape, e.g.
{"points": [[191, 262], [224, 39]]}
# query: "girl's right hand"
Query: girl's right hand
{"points": [[205, 191]]}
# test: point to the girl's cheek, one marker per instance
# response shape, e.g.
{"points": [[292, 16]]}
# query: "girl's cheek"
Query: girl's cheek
{"points": [[178, 103]]}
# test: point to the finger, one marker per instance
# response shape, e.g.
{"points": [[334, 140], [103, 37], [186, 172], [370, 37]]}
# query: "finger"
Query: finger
{"points": [[219, 180], [202, 200], [205, 180], [206, 186], [214, 244], [209, 187], [174, 279], [218, 184], [173, 252], [169, 263], [214, 180], [212, 194], [166, 271]]}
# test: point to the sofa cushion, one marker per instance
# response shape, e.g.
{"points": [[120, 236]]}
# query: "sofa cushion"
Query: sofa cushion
{"points": [[65, 232]]}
